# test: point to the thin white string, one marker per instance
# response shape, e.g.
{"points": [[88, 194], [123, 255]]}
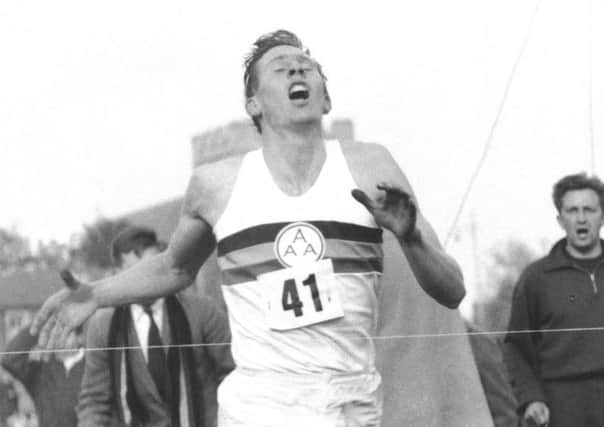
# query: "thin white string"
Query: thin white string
{"points": [[489, 141], [590, 87], [377, 337]]}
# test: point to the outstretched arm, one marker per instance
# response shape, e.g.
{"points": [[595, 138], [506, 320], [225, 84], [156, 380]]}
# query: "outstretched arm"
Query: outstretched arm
{"points": [[168, 272], [393, 205]]}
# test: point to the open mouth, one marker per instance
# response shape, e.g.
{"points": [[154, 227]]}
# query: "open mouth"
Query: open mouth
{"points": [[582, 232], [298, 91]]}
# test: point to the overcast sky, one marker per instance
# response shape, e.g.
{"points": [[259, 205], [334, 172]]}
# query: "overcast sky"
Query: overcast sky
{"points": [[98, 101]]}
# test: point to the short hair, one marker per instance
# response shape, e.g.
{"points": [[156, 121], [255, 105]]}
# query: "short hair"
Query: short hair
{"points": [[133, 238], [263, 44], [579, 181]]}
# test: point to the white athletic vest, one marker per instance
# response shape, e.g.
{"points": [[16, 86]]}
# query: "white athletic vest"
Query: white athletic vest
{"points": [[299, 274]]}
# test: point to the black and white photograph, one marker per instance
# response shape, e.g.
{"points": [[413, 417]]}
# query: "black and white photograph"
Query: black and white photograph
{"points": [[317, 214]]}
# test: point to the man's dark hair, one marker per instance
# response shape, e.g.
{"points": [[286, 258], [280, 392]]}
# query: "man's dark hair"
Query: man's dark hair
{"points": [[263, 44], [579, 181], [133, 238]]}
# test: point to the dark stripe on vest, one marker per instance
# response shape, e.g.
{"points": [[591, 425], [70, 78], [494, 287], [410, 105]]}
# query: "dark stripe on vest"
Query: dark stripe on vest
{"points": [[266, 233]]}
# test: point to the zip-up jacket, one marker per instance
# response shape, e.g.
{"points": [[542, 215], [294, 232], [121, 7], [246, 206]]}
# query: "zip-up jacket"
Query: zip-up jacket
{"points": [[562, 303]]}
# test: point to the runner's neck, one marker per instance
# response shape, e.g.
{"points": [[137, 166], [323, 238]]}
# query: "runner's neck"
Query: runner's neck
{"points": [[294, 162]]}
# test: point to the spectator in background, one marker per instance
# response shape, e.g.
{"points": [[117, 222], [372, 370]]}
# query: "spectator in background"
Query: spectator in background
{"points": [[151, 385], [557, 369], [52, 380]]}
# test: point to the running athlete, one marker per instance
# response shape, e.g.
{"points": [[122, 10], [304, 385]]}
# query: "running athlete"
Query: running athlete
{"points": [[298, 229]]}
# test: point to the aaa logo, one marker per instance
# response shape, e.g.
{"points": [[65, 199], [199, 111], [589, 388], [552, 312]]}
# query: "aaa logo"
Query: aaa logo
{"points": [[299, 244]]}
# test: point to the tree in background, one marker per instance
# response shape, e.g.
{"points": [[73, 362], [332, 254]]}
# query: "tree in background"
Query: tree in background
{"points": [[92, 249], [16, 252], [507, 263], [14, 249]]}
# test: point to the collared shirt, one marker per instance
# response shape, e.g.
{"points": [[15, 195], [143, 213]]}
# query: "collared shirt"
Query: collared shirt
{"points": [[142, 323], [70, 361], [587, 264]]}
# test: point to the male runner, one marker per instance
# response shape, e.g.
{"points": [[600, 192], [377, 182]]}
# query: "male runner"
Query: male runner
{"points": [[300, 258]]}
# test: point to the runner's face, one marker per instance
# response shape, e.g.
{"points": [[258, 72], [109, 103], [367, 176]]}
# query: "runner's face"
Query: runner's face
{"points": [[581, 218], [291, 91]]}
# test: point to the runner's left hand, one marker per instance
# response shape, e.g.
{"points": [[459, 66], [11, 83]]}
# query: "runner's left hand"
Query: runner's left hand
{"points": [[395, 209], [63, 312]]}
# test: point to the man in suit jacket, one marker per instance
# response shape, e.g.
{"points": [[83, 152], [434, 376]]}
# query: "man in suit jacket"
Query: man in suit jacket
{"points": [[154, 374]]}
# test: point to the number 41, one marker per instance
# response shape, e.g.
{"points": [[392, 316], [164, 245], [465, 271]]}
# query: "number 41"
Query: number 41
{"points": [[291, 300]]}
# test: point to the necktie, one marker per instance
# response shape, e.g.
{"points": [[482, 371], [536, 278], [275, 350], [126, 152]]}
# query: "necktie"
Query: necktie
{"points": [[156, 357]]}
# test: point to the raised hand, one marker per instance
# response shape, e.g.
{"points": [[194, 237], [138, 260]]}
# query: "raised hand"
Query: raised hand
{"points": [[394, 210], [63, 312]]}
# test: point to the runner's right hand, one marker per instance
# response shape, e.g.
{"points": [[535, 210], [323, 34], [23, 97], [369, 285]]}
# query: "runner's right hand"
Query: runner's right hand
{"points": [[395, 209], [63, 312]]}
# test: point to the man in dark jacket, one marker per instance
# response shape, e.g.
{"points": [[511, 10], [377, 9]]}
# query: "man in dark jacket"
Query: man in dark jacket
{"points": [[557, 368], [158, 372]]}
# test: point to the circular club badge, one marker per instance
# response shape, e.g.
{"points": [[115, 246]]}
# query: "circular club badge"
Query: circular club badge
{"points": [[299, 244]]}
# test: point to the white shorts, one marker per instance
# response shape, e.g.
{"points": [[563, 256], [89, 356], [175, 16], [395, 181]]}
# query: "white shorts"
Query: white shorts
{"points": [[267, 399]]}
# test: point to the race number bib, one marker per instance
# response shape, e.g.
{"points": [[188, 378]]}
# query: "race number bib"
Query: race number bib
{"points": [[301, 296]]}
